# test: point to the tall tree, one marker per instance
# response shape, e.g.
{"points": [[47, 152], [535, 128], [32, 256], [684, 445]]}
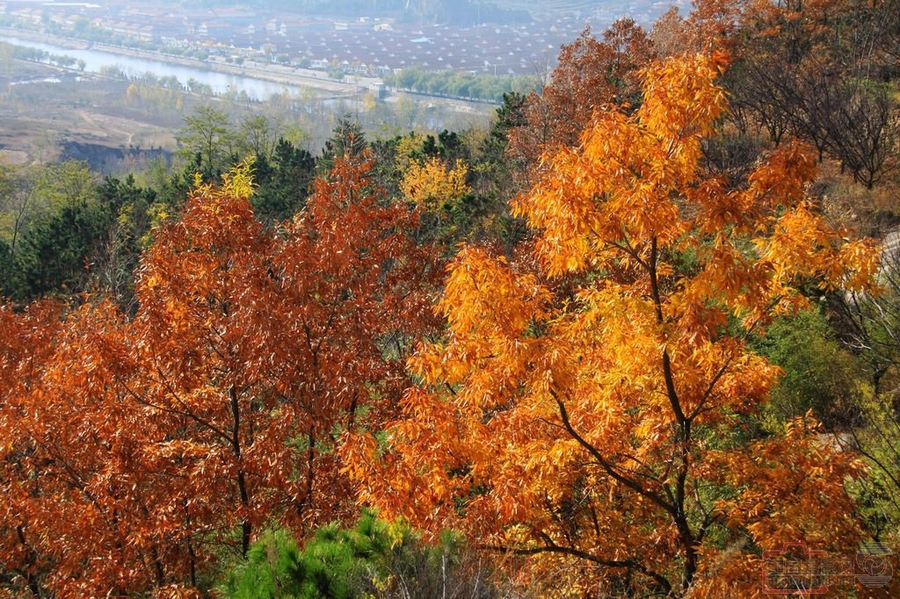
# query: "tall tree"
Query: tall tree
{"points": [[138, 450], [591, 402], [284, 181], [206, 141], [813, 70], [202, 288]]}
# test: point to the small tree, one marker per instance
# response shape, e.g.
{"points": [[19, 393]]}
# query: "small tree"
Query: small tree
{"points": [[374, 558], [206, 141]]}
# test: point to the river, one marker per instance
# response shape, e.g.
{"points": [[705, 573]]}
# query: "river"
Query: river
{"points": [[95, 60]]}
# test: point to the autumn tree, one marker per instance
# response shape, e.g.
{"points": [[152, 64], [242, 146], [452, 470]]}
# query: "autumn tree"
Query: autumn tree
{"points": [[259, 349], [439, 191], [201, 289], [356, 287], [102, 451], [27, 339], [711, 24], [591, 74], [140, 450], [75, 481], [811, 70], [591, 404]]}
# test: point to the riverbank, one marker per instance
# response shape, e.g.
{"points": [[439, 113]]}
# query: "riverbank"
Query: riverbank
{"points": [[45, 104], [280, 74]]}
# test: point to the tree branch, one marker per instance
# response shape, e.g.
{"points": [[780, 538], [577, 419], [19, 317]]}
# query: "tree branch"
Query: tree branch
{"points": [[604, 463]]}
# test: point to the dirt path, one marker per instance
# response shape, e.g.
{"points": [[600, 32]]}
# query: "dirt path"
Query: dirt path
{"points": [[110, 125]]}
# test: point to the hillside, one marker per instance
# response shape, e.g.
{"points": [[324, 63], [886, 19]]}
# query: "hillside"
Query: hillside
{"points": [[636, 336]]}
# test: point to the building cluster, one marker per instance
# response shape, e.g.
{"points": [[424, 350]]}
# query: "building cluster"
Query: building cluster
{"points": [[364, 46]]}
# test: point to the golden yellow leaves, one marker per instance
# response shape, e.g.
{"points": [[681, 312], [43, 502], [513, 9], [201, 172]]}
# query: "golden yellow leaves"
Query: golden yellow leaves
{"points": [[499, 307], [587, 400], [803, 245], [496, 297], [622, 183], [431, 183], [682, 103], [238, 182], [787, 478], [631, 196]]}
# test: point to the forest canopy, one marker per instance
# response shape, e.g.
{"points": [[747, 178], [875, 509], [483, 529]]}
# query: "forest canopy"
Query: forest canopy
{"points": [[636, 338]]}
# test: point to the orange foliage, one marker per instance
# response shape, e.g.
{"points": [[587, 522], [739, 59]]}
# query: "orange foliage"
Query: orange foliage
{"points": [[136, 450], [591, 74], [603, 431]]}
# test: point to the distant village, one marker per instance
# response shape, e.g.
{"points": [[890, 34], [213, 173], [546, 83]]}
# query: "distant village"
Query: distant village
{"points": [[365, 46]]}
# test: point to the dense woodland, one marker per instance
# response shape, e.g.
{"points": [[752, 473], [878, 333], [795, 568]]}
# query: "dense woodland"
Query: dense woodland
{"points": [[636, 335]]}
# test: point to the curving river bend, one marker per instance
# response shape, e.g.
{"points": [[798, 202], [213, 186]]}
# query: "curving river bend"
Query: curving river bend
{"points": [[96, 61]]}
